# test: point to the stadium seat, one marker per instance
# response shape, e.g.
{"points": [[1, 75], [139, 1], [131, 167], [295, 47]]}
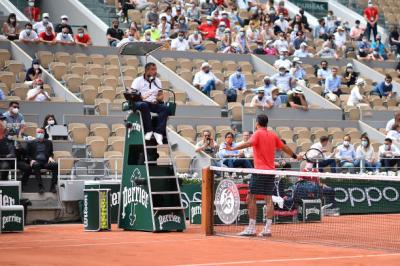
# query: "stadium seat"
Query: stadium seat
{"points": [[63, 57], [65, 161], [78, 132], [4, 56], [98, 59], [45, 58], [58, 69], [95, 146], [7, 78]]}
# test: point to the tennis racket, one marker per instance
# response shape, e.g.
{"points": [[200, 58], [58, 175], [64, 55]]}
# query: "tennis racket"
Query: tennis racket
{"points": [[313, 155]]}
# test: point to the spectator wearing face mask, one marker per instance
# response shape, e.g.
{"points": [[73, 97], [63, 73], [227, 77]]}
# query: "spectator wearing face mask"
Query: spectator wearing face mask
{"points": [[357, 31], [180, 43], [384, 88], [155, 33], [37, 93], [180, 26], [242, 41], [282, 23], [284, 81], [298, 39], [327, 52], [226, 40], [371, 16], [296, 70], [391, 122], [281, 44], [164, 27], [394, 134], [283, 60], [356, 98], [267, 87], [260, 48], [64, 22], [378, 46], [364, 51], [366, 157], [333, 82], [114, 34], [32, 12], [252, 33], [196, 41], [130, 37], [207, 29], [82, 38], [330, 22], [270, 48], [64, 37], [205, 80], [346, 154], [207, 7], [225, 18], [42, 25], [340, 39], [220, 32], [237, 82], [48, 36], [193, 12], [389, 155], [168, 15], [10, 27], [34, 72], [49, 121], [302, 52], [350, 76], [151, 17], [147, 36], [260, 100], [28, 34], [321, 30], [15, 121]]}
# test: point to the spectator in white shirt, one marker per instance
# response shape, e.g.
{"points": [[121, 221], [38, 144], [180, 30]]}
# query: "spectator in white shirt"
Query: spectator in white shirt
{"points": [[37, 93], [205, 80], [389, 155], [260, 100], [394, 134], [164, 27], [282, 23], [366, 157], [283, 80], [273, 100], [64, 37], [281, 44], [391, 122], [247, 152], [220, 32], [180, 43], [356, 97], [28, 34], [130, 37], [283, 60], [196, 41], [323, 72], [346, 154], [340, 38], [303, 51], [41, 25]]}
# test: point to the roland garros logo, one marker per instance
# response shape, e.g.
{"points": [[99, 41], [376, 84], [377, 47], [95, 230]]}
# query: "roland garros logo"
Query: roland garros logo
{"points": [[227, 201]]}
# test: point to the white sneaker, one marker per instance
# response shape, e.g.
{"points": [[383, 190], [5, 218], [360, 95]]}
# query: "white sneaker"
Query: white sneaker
{"points": [[159, 138], [265, 233], [248, 232], [148, 135]]}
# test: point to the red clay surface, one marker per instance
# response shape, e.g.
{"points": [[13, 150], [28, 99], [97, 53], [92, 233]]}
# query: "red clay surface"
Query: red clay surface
{"points": [[70, 245]]}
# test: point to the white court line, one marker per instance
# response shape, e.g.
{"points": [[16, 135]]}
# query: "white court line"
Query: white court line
{"points": [[103, 244], [292, 260], [57, 240]]}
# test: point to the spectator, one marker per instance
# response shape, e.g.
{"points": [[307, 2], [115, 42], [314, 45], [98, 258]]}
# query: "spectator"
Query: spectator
{"points": [[164, 27], [346, 154], [384, 88], [302, 52], [180, 43], [205, 80], [180, 26], [37, 93], [394, 39], [41, 26], [207, 29], [356, 97], [327, 52], [193, 11], [49, 121], [273, 100], [196, 41], [237, 82], [389, 155], [323, 72], [349, 76], [394, 134], [64, 22], [10, 27], [298, 39], [283, 60], [322, 146], [207, 144], [114, 34], [282, 10], [34, 72], [296, 70], [366, 157], [225, 19], [304, 20], [340, 39], [260, 100], [125, 6], [48, 36], [392, 122], [364, 51], [331, 22], [267, 86], [155, 33], [64, 37], [232, 159], [131, 36], [40, 154], [297, 25], [31, 11], [333, 82], [284, 81], [242, 41], [207, 7], [281, 44], [270, 49], [379, 47], [259, 49], [151, 17], [246, 152], [147, 36], [168, 15], [321, 30], [282, 23], [357, 31], [371, 16], [268, 31], [83, 38], [219, 33], [28, 35], [15, 121], [297, 100], [252, 33]]}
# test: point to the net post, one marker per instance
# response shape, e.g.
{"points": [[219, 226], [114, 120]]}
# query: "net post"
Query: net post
{"points": [[207, 188]]}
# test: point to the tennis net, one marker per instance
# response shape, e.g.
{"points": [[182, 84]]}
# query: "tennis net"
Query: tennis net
{"points": [[346, 210]]}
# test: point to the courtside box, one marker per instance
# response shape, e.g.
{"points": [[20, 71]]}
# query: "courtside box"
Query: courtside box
{"points": [[96, 209], [10, 193], [310, 211], [11, 218], [115, 187]]}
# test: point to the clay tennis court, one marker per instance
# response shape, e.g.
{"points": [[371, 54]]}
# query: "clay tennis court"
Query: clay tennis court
{"points": [[70, 245]]}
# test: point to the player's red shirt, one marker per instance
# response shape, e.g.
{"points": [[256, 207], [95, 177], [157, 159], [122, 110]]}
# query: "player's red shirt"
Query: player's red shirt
{"points": [[210, 29], [84, 39], [264, 144], [371, 13], [46, 37]]}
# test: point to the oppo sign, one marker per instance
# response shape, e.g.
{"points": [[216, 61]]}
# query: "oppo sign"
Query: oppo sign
{"points": [[370, 195]]}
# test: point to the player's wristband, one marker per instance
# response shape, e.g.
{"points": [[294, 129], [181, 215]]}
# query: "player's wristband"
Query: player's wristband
{"points": [[294, 156]]}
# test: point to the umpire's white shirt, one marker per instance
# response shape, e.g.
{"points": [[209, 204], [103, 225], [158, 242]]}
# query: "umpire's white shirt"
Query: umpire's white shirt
{"points": [[145, 87]]}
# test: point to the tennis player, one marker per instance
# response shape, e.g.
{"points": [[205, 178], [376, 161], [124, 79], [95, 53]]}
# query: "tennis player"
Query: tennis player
{"points": [[264, 143]]}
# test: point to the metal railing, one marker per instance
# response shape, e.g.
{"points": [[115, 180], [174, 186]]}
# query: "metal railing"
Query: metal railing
{"points": [[14, 169]]}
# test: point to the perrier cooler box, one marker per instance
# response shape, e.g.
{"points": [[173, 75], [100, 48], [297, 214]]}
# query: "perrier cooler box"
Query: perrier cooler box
{"points": [[310, 211], [96, 209], [11, 218]]}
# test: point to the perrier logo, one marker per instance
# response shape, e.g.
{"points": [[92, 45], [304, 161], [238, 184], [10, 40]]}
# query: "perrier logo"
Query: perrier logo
{"points": [[6, 200], [162, 219], [11, 219]]}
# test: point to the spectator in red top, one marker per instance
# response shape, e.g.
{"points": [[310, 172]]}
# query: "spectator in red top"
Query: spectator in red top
{"points": [[371, 15], [220, 3], [282, 9], [207, 29], [48, 35], [225, 18], [32, 12], [82, 38]]}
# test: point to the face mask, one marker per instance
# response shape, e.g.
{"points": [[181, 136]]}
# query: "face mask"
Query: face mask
{"points": [[39, 135], [180, 38], [148, 38], [324, 67], [48, 33], [364, 143], [259, 46], [31, 4], [260, 97], [80, 35], [50, 122], [221, 28], [346, 143], [65, 34], [28, 31], [35, 66], [130, 38], [387, 147], [296, 29], [267, 83], [387, 83], [370, 5], [15, 110], [182, 21], [209, 22], [12, 20], [153, 28], [350, 70], [45, 20], [357, 26], [281, 57], [225, 16], [282, 72]]}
